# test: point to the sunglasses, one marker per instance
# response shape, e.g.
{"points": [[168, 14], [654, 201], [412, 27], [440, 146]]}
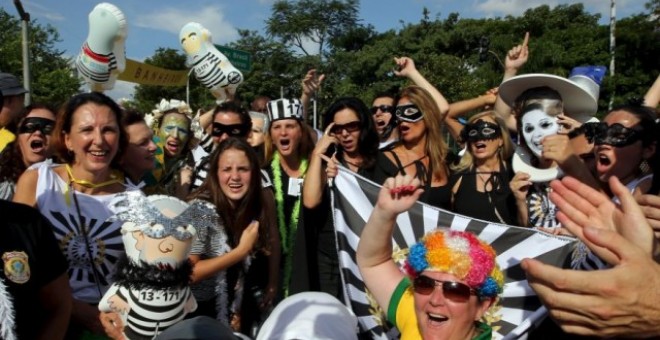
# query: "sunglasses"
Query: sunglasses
{"points": [[349, 127], [455, 291], [33, 124], [409, 113], [382, 108], [233, 130]]}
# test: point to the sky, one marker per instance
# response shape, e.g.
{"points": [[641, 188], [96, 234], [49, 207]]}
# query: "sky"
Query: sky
{"points": [[153, 24]]}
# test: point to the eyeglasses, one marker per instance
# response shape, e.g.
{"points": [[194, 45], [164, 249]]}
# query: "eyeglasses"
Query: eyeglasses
{"points": [[409, 113], [382, 108], [452, 290], [233, 130], [349, 127], [33, 124]]}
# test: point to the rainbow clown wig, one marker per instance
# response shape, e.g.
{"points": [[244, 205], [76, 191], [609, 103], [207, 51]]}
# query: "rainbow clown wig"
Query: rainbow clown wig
{"points": [[461, 254]]}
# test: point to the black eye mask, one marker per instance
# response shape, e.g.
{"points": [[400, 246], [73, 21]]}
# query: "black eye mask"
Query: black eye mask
{"points": [[480, 130], [616, 135], [409, 113], [33, 124], [233, 130]]}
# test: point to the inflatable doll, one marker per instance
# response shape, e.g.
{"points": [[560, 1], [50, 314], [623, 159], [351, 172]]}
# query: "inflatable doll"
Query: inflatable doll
{"points": [[102, 57], [151, 290], [211, 67]]}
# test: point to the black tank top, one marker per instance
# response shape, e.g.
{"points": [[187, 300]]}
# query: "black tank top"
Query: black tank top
{"points": [[470, 202], [436, 196]]}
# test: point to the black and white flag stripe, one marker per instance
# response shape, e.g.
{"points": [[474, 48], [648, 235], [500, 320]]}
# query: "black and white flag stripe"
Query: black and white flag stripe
{"points": [[519, 308]]}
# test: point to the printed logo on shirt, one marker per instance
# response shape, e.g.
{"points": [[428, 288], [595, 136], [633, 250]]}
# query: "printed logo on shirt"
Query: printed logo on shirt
{"points": [[16, 267]]}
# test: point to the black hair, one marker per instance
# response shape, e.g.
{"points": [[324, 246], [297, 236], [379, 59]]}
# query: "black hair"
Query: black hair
{"points": [[368, 140]]}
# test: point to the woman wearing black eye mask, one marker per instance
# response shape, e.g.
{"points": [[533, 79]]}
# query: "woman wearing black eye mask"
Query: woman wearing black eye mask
{"points": [[31, 146], [625, 146], [421, 151], [483, 173]]}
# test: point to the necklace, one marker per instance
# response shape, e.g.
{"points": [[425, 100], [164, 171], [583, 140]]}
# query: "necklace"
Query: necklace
{"points": [[287, 237], [114, 178]]}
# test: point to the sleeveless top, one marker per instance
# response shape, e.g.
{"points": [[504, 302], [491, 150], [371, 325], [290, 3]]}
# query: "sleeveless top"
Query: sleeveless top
{"points": [[436, 196], [101, 239], [497, 205]]}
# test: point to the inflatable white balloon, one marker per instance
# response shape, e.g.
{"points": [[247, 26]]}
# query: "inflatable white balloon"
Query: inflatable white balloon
{"points": [[102, 57], [211, 67]]}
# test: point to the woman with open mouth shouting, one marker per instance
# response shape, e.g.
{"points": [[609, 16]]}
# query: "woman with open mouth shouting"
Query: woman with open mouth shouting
{"points": [[76, 198], [481, 185], [451, 277], [32, 146], [173, 137], [421, 150], [289, 144], [351, 140]]}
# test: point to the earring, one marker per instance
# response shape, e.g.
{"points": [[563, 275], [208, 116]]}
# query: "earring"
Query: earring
{"points": [[644, 167]]}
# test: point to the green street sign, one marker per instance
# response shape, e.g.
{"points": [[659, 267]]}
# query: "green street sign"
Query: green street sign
{"points": [[240, 59]]}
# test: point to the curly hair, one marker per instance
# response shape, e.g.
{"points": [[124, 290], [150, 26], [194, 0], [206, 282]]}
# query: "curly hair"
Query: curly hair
{"points": [[12, 165]]}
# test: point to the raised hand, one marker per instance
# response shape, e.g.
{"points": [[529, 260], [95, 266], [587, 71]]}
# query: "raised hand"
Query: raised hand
{"points": [[517, 56], [404, 67], [312, 82], [581, 206], [519, 185], [618, 302], [398, 194]]}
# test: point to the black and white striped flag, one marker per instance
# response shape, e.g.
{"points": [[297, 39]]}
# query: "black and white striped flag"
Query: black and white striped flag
{"points": [[519, 308]]}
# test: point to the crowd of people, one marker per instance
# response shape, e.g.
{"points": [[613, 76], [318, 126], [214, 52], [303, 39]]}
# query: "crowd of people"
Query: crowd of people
{"points": [[527, 157]]}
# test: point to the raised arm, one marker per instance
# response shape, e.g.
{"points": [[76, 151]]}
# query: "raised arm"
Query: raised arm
{"points": [[310, 84], [463, 107], [652, 96], [406, 68], [515, 59], [374, 254], [315, 178]]}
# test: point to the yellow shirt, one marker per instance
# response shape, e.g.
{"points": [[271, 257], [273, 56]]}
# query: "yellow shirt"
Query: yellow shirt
{"points": [[6, 137]]}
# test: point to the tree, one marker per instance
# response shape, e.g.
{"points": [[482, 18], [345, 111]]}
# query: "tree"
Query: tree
{"points": [[53, 80], [295, 22]]}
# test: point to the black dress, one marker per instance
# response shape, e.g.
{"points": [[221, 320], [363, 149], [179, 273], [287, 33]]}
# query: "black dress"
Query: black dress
{"points": [[436, 196], [486, 206]]}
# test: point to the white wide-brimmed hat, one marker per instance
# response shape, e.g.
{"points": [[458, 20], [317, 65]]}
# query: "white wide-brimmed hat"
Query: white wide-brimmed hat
{"points": [[579, 92]]}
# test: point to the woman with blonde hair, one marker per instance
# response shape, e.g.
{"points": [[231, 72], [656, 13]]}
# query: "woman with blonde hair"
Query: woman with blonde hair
{"points": [[421, 151], [482, 175]]}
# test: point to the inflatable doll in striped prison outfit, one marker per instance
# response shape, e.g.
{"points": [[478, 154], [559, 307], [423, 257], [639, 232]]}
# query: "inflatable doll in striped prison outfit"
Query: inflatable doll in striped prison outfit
{"points": [[151, 291]]}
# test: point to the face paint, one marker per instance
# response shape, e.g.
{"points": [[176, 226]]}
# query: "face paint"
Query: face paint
{"points": [[536, 125], [616, 135], [409, 113], [480, 130], [174, 125], [33, 124]]}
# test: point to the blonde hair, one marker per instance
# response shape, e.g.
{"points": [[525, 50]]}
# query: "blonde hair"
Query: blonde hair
{"points": [[436, 147], [504, 152]]}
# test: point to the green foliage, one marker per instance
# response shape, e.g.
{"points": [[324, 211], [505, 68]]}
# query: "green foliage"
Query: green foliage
{"points": [[52, 75]]}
